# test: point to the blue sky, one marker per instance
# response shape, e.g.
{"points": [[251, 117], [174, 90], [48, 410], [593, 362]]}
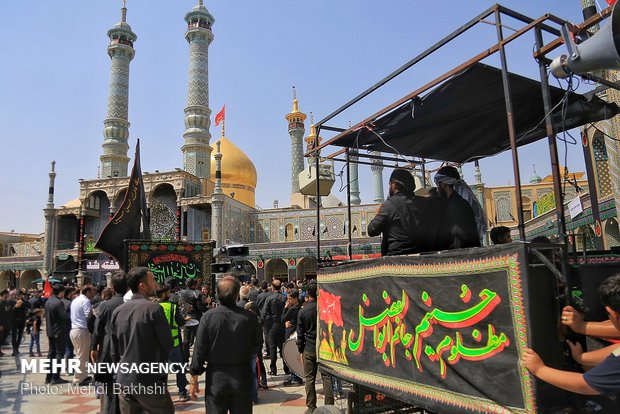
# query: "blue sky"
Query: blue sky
{"points": [[54, 82]]}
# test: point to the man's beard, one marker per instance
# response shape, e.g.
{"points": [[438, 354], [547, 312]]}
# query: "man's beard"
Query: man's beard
{"points": [[391, 192], [441, 191]]}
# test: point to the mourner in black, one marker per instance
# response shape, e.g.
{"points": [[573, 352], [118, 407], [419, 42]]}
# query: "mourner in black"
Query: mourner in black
{"points": [[306, 344], [56, 321], [289, 318], [265, 324], [193, 305], [101, 344], [20, 315], [228, 336], [141, 334], [272, 311], [464, 221], [403, 218], [5, 322]]}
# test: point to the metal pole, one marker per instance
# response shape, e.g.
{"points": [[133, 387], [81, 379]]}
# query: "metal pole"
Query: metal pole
{"points": [[349, 244], [318, 198], [555, 164], [511, 127], [553, 150]]}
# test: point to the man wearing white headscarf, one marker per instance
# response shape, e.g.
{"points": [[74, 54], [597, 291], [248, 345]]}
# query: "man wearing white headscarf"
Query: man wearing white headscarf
{"points": [[464, 217]]}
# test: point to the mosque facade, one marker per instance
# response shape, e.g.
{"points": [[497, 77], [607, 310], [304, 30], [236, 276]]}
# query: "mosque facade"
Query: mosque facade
{"points": [[212, 197]]}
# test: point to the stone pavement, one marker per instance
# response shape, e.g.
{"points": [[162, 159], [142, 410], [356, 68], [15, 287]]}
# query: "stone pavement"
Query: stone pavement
{"points": [[27, 393]]}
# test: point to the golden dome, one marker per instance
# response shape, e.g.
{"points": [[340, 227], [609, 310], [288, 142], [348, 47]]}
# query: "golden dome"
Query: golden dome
{"points": [[73, 203], [238, 172], [310, 139]]}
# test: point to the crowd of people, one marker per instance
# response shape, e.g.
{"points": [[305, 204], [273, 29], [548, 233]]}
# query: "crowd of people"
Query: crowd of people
{"points": [[231, 337], [137, 320], [21, 311]]}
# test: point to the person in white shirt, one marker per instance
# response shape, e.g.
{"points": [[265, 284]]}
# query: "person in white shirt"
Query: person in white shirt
{"points": [[80, 337]]}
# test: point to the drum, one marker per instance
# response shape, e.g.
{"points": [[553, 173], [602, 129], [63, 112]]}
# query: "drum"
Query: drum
{"points": [[292, 357], [191, 322]]}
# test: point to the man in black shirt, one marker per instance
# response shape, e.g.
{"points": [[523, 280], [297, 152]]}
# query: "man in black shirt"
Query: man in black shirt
{"points": [[56, 321], [272, 311], [192, 303], [20, 314], [306, 344], [289, 318], [227, 338], [141, 334], [265, 324], [101, 341], [4, 317], [254, 290], [403, 218]]}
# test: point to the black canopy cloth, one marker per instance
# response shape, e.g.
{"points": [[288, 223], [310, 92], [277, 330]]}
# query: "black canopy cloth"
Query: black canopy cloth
{"points": [[464, 118]]}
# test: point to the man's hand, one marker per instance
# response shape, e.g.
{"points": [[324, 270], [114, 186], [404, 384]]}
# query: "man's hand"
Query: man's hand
{"points": [[532, 361], [576, 351], [573, 319], [94, 355], [194, 387]]}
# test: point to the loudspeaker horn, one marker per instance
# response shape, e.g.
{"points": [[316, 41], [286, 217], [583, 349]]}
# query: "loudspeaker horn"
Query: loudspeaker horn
{"points": [[601, 51], [220, 267]]}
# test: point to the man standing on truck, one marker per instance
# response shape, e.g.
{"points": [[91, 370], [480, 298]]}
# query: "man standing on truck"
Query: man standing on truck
{"points": [[402, 218], [465, 224]]}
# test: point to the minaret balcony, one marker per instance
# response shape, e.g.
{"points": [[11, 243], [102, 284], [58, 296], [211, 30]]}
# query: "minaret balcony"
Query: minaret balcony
{"points": [[121, 42], [203, 25]]}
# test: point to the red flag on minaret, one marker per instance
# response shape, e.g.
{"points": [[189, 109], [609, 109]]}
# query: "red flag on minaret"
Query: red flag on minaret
{"points": [[220, 116]]}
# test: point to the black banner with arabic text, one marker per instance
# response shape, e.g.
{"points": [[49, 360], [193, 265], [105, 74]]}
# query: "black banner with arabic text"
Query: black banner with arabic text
{"points": [[180, 260], [443, 332]]}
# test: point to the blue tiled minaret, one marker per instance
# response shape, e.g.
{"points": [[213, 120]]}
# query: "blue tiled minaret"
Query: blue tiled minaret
{"points": [[377, 175], [114, 159], [296, 131], [196, 149]]}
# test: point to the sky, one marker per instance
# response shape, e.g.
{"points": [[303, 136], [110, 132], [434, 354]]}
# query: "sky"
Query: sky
{"points": [[54, 76]]}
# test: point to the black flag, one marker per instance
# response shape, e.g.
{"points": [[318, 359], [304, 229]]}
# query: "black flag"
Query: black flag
{"points": [[130, 221]]}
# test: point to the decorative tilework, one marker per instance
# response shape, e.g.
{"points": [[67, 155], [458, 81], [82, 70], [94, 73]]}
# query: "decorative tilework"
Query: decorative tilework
{"points": [[612, 232], [163, 221], [114, 159], [503, 209], [196, 151], [297, 156]]}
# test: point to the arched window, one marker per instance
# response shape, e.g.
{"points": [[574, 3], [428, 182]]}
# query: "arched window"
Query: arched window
{"points": [[502, 208], [289, 232]]}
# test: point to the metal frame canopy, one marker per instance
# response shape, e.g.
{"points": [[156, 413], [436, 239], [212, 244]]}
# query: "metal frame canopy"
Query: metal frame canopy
{"points": [[464, 118], [475, 110]]}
